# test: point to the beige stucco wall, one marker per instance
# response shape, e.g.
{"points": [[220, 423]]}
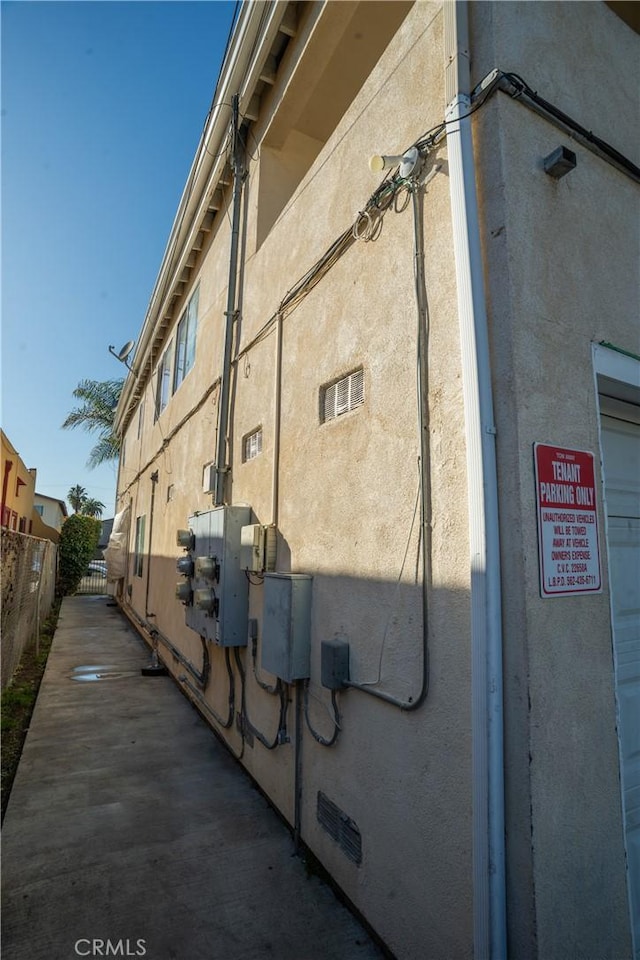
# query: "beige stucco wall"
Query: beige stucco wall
{"points": [[347, 494], [561, 262], [347, 489]]}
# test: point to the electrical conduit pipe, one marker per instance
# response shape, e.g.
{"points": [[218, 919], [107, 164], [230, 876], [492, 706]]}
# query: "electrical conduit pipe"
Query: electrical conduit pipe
{"points": [[489, 912], [230, 312]]}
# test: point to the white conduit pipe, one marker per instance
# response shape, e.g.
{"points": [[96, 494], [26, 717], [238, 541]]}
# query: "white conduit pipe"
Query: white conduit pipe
{"points": [[484, 544], [277, 417]]}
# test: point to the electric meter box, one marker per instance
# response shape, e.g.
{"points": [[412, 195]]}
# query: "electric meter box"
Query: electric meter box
{"points": [[215, 552], [286, 625], [252, 548], [258, 548]]}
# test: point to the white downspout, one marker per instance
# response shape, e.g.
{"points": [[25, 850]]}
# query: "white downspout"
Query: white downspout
{"points": [[489, 913]]}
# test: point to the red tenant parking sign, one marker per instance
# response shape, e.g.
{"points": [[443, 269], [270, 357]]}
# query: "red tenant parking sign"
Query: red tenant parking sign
{"points": [[567, 521]]}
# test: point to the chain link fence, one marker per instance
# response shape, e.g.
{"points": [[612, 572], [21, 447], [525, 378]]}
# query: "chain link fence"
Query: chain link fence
{"points": [[28, 591]]}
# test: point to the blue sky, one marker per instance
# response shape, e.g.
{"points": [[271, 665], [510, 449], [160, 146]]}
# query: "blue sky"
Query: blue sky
{"points": [[103, 104]]}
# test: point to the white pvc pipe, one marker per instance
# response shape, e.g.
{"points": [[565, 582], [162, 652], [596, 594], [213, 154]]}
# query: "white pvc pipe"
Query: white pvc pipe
{"points": [[277, 417], [484, 544]]}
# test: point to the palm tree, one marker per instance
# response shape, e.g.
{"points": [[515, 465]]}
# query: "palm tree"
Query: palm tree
{"points": [[99, 401], [92, 508], [77, 497]]}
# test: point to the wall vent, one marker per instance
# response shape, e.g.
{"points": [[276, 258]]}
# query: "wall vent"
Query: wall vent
{"points": [[342, 828], [252, 445], [342, 396]]}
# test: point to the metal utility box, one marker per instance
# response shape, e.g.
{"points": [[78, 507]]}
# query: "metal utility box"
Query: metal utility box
{"points": [[252, 548], [219, 609], [286, 627], [334, 663], [258, 548]]}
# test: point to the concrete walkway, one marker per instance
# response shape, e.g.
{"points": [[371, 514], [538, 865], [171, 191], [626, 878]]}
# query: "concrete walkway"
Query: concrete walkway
{"points": [[130, 825]]}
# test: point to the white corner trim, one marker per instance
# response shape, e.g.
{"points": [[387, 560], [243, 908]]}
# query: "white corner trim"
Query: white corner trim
{"points": [[617, 366]]}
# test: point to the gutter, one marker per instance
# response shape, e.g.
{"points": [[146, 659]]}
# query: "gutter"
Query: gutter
{"points": [[489, 906]]}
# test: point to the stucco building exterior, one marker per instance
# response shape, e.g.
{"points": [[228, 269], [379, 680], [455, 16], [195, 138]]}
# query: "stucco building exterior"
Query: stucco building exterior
{"points": [[394, 413], [24, 510], [49, 515], [18, 489]]}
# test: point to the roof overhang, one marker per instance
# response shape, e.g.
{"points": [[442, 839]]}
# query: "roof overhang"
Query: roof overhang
{"points": [[61, 503], [627, 10], [247, 68]]}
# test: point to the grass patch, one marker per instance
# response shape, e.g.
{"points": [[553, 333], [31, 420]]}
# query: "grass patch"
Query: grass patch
{"points": [[19, 699]]}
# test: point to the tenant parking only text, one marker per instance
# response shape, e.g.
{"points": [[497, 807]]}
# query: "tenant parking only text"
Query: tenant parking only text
{"points": [[567, 521]]}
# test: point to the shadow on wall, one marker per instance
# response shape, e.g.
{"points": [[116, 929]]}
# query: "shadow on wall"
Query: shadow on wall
{"points": [[378, 793], [380, 620], [390, 797], [403, 777]]}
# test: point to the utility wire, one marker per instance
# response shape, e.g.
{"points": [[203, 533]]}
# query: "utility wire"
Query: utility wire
{"points": [[280, 736], [522, 87], [323, 741]]}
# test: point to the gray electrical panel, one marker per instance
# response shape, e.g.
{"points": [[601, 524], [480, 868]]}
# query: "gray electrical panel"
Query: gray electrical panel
{"points": [[286, 627], [218, 605], [334, 663]]}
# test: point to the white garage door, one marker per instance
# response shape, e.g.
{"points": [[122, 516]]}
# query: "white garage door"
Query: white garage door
{"points": [[621, 456]]}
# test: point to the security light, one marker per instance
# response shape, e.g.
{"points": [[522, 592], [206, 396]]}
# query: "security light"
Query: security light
{"points": [[407, 161], [559, 163]]}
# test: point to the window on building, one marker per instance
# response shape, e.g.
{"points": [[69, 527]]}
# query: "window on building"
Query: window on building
{"points": [[186, 341], [342, 396], [39, 508], [170, 492], [138, 559], [140, 419], [252, 444], [163, 382], [22, 526]]}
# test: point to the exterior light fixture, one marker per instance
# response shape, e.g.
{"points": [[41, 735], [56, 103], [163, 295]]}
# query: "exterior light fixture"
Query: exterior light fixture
{"points": [[560, 162], [408, 162]]}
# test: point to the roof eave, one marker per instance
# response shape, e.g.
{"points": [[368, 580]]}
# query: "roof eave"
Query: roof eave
{"points": [[253, 36]]}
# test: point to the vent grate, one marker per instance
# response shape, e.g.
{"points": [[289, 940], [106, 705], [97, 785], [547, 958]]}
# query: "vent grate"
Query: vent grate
{"points": [[342, 396], [340, 827], [252, 445]]}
